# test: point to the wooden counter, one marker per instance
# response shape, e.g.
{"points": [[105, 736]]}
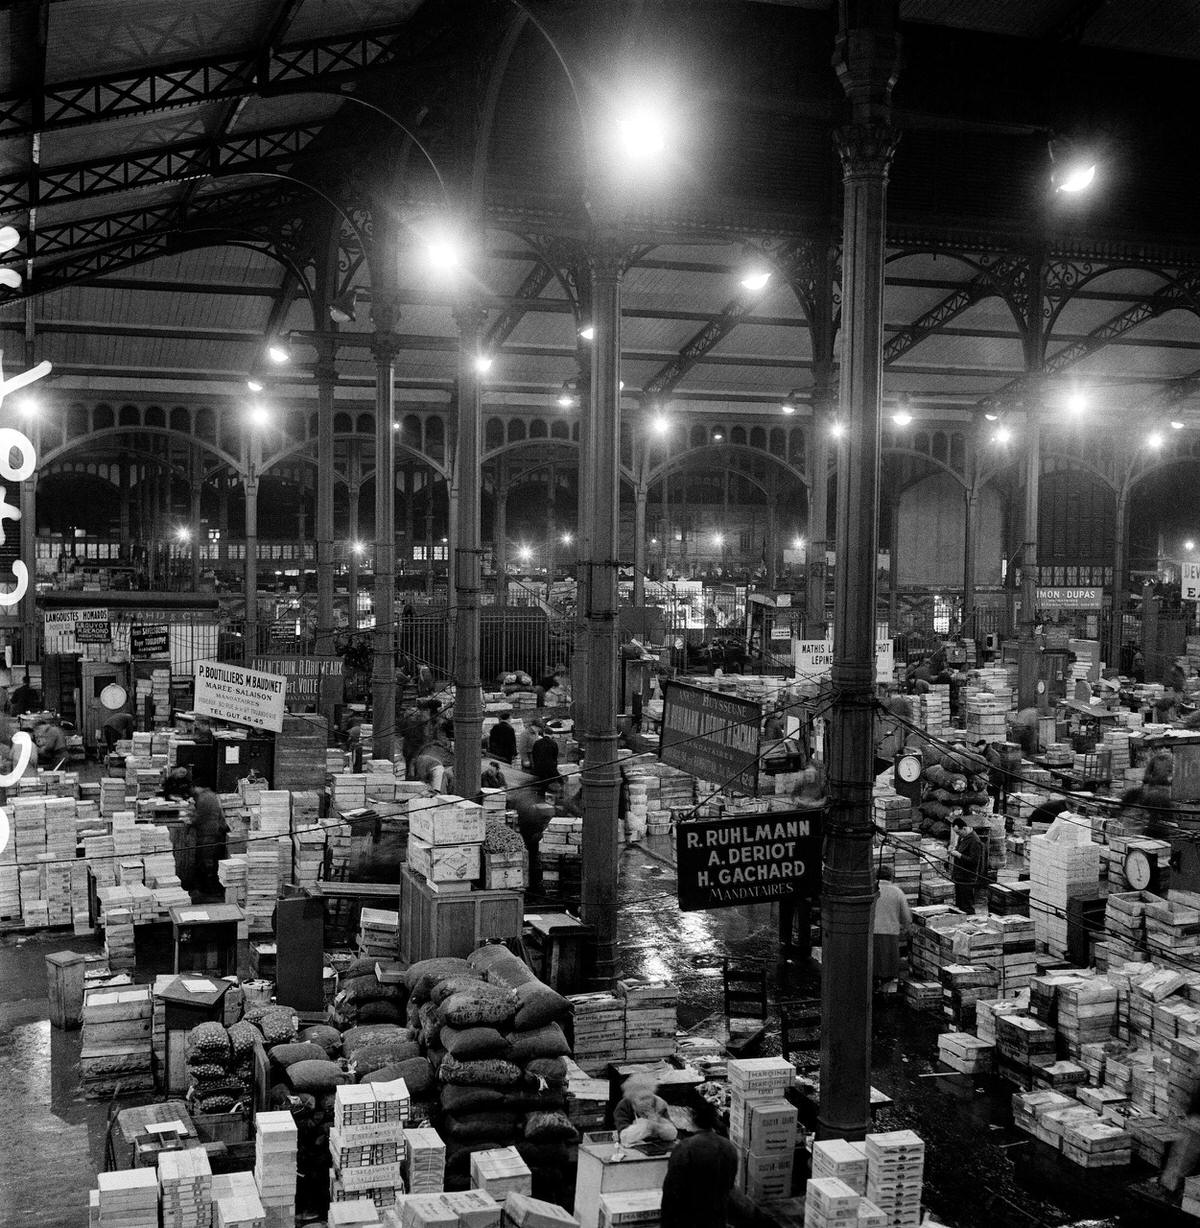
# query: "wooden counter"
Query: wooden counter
{"points": [[600, 1172]]}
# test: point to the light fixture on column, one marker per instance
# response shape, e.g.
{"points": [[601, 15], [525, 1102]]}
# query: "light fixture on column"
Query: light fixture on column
{"points": [[903, 415], [279, 351], [568, 397], [1002, 435], [791, 402], [10, 236], [754, 278], [587, 332], [1073, 165], [483, 363], [1076, 402], [259, 415], [660, 424], [254, 383], [837, 429], [344, 308], [1154, 439], [1176, 425]]}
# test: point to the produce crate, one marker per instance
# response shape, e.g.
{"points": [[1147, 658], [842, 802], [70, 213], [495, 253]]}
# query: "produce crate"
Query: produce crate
{"points": [[226, 1128], [433, 925]]}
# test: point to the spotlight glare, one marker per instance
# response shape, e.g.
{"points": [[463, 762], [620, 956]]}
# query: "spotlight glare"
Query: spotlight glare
{"points": [[567, 539], [992, 417], [28, 405], [587, 332], [660, 425], [755, 279], [1176, 425], [357, 547], [717, 436], [837, 430], [642, 133], [183, 533], [798, 544], [902, 417], [564, 400], [1078, 177], [259, 415], [788, 408], [277, 352], [1155, 439], [255, 385], [1189, 544], [718, 539], [1003, 435], [483, 364], [444, 254], [1077, 402]]}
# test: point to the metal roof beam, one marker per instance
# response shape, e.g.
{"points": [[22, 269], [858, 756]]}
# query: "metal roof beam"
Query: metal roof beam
{"points": [[931, 321], [667, 378], [295, 67], [175, 163], [536, 280]]}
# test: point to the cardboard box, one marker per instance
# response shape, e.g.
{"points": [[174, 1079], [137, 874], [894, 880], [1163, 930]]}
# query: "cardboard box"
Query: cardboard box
{"points": [[444, 863], [445, 820]]}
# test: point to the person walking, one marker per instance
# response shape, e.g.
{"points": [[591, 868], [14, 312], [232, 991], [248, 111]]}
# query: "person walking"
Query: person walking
{"points": [[543, 761], [502, 739], [893, 923], [966, 866], [210, 832], [700, 1174]]}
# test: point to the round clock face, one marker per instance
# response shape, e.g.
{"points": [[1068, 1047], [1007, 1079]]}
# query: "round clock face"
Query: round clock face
{"points": [[909, 768], [1138, 870]]}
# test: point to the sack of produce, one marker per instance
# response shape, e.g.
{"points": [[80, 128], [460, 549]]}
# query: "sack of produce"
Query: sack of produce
{"points": [[242, 1039], [287, 1055], [538, 1005], [416, 1072], [208, 1042], [482, 1004], [374, 1012], [485, 1072], [316, 1077], [452, 985], [546, 1041], [473, 1099], [374, 1057], [500, 1128], [549, 1070], [425, 974], [500, 966], [330, 1039], [360, 989], [373, 1034], [474, 1042], [550, 1128]]}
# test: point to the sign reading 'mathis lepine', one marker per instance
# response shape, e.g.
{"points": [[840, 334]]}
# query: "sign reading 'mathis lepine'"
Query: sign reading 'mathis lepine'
{"points": [[813, 659], [711, 736], [748, 858], [243, 696]]}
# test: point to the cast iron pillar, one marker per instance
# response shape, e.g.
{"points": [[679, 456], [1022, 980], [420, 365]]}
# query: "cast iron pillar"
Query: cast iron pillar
{"points": [[598, 703], [123, 507], [1027, 653], [28, 603], [250, 566], [1120, 563], [465, 568], [500, 539], [641, 498], [818, 514], [866, 59], [196, 487], [325, 373], [969, 533], [384, 344], [352, 496]]}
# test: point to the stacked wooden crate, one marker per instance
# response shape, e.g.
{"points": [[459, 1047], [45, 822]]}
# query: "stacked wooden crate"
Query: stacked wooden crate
{"points": [[445, 842], [236, 1203], [895, 1172], [378, 933], [500, 1172], [1063, 864], [765, 1131], [366, 1141], [116, 1043], [650, 1017], [599, 1022], [127, 1199], [185, 1182], [424, 1161]]}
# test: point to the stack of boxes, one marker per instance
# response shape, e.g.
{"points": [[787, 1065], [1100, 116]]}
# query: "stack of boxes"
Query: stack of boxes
{"points": [[275, 1167], [631, 1209], [273, 826], [1063, 864], [424, 1161], [185, 1181], [830, 1202], [599, 1020], [650, 1018], [445, 842], [126, 1199], [236, 1203], [895, 1172], [378, 933], [262, 884], [560, 850], [500, 1172], [366, 1141], [762, 1125], [116, 1043], [119, 939]]}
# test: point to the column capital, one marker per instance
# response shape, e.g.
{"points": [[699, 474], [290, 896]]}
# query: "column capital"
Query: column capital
{"points": [[866, 150], [385, 344], [608, 256], [385, 315]]}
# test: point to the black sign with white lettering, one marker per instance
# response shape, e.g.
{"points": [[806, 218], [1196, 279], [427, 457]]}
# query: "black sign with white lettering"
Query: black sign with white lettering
{"points": [[748, 859], [711, 735], [149, 640], [93, 632]]}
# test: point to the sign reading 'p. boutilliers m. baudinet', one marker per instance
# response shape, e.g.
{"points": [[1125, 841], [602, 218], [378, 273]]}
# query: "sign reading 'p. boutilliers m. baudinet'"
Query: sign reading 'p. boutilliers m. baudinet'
{"points": [[748, 859], [712, 736]]}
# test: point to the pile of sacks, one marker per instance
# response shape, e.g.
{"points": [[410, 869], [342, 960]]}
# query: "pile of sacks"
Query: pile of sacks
{"points": [[956, 779], [220, 1064], [363, 998], [492, 1031]]}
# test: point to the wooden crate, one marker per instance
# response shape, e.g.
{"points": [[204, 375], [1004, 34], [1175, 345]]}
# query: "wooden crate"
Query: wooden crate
{"points": [[223, 1127], [439, 925]]}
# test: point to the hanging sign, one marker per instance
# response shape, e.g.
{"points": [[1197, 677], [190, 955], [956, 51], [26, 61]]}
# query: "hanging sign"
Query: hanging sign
{"points": [[813, 659], [306, 676], [93, 631], [711, 735], [243, 696], [149, 640], [748, 859], [1069, 598], [1189, 577]]}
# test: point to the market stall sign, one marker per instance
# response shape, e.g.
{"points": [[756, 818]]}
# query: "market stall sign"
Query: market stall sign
{"points": [[304, 674], [711, 735], [748, 859], [813, 659], [93, 631], [1069, 598], [243, 696], [1189, 576], [149, 640]]}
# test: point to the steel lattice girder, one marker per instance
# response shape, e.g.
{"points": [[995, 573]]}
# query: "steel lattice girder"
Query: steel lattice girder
{"points": [[166, 164], [300, 66]]}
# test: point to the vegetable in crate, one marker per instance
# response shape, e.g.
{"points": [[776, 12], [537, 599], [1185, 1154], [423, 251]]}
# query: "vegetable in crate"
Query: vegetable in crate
{"points": [[208, 1042], [501, 839]]}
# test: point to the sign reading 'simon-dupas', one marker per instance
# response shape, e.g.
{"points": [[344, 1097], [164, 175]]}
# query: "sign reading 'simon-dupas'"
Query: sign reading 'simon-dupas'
{"points": [[748, 859], [243, 696]]}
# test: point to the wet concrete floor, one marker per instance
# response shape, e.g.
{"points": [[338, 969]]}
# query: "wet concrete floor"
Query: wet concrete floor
{"points": [[979, 1170]]}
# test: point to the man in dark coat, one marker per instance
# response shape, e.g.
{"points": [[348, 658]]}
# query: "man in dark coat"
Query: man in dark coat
{"points": [[543, 761], [966, 869], [700, 1175], [502, 739], [210, 831]]}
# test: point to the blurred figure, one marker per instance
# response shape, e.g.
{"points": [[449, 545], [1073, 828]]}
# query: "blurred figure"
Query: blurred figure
{"points": [[210, 832], [1146, 809], [51, 743], [118, 727], [502, 739], [641, 1114], [700, 1174], [893, 922], [24, 699]]}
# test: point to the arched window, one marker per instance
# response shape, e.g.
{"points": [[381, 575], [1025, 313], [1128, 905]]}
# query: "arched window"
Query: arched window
{"points": [[559, 429], [181, 420], [516, 430], [128, 416], [155, 416], [758, 438], [738, 435], [538, 429], [103, 417]]}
